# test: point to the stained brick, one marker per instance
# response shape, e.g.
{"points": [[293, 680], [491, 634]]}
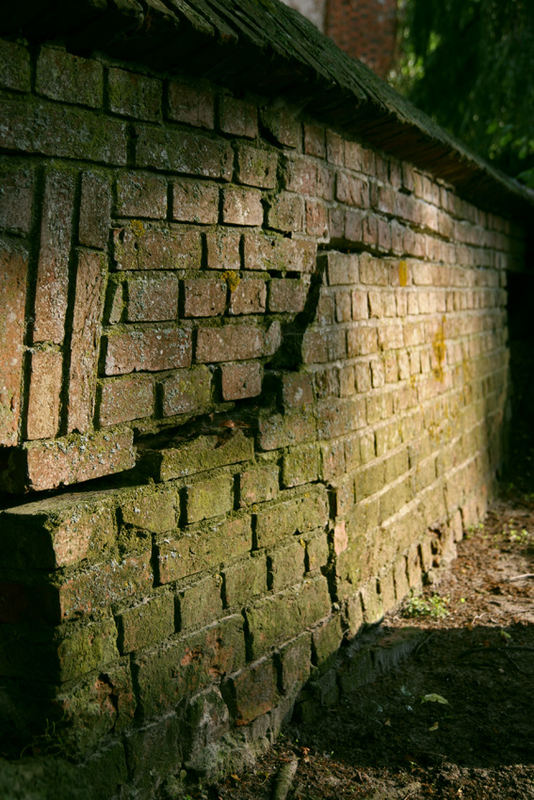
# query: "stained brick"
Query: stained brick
{"points": [[286, 565], [195, 202], [186, 391], [258, 484], [241, 380], [209, 498], [142, 247], [300, 465], [238, 117], [147, 349], [245, 580], [286, 213], [252, 692], [248, 297], [152, 297], [140, 195], [122, 400], [256, 167], [232, 342], [53, 267], [204, 297], [297, 390], [134, 95], [189, 153], [15, 66], [191, 104], [277, 430], [200, 603], [278, 253], [146, 623], [223, 249], [63, 76], [85, 339], [95, 210], [287, 295], [314, 141], [16, 197], [281, 125], [44, 396], [242, 206], [301, 514], [13, 273]]}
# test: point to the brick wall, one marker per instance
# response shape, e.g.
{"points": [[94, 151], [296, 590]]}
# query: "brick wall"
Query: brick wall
{"points": [[290, 351], [365, 29]]}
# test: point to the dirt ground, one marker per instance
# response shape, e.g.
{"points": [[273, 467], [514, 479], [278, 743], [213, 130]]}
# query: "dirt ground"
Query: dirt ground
{"points": [[455, 720]]}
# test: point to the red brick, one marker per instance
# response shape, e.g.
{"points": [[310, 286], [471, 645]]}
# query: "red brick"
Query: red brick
{"points": [[314, 141], [204, 297], [95, 210], [141, 247], [241, 380], [148, 349], [316, 218], [146, 623], [44, 395], [75, 459], [124, 399], [286, 213], [53, 267], [287, 294], [223, 249], [278, 253], [211, 498], [282, 126], [232, 342], [191, 104], [152, 297], [178, 151], [15, 69], [63, 76], [186, 391], [85, 340], [335, 148], [253, 691], [238, 117], [297, 390], [195, 202], [301, 175], [13, 275], [242, 206], [200, 603], [134, 95], [248, 297], [352, 190], [16, 196], [354, 225], [256, 167], [258, 484], [141, 195]]}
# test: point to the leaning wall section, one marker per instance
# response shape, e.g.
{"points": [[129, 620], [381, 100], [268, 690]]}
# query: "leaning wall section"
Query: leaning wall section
{"points": [[279, 355]]}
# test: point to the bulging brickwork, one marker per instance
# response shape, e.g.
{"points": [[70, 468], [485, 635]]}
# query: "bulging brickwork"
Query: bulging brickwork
{"points": [[283, 355]]}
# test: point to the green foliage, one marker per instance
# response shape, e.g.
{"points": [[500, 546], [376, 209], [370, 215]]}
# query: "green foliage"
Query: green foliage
{"points": [[470, 65], [418, 606]]}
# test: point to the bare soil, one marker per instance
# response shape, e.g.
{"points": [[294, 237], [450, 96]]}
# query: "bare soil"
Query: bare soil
{"points": [[455, 720]]}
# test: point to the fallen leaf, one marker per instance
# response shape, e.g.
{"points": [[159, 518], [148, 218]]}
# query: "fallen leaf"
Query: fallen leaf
{"points": [[434, 727], [434, 698]]}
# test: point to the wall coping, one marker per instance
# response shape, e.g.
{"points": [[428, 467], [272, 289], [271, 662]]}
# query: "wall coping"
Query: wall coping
{"points": [[266, 47]]}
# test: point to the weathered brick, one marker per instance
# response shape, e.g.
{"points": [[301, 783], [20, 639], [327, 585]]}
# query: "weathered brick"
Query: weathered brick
{"points": [[342, 269], [191, 104], [252, 692], [210, 498], [256, 167], [141, 247], [245, 580], [147, 349], [15, 70], [241, 380], [286, 565], [53, 267], [281, 125], [326, 641], [352, 190], [300, 465], [205, 548], [85, 338], [185, 391], [140, 195], [63, 76], [258, 484], [314, 140], [146, 623], [238, 117], [297, 391], [44, 396], [279, 253], [204, 297], [335, 148], [193, 201], [13, 274], [301, 514], [189, 662], [232, 342], [178, 151], [124, 399], [248, 297], [62, 131], [277, 430], [16, 196], [295, 661], [95, 210], [200, 454], [134, 95], [200, 603], [152, 297], [316, 218], [286, 213], [223, 249], [75, 459], [287, 294], [282, 616], [242, 206], [149, 508]]}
